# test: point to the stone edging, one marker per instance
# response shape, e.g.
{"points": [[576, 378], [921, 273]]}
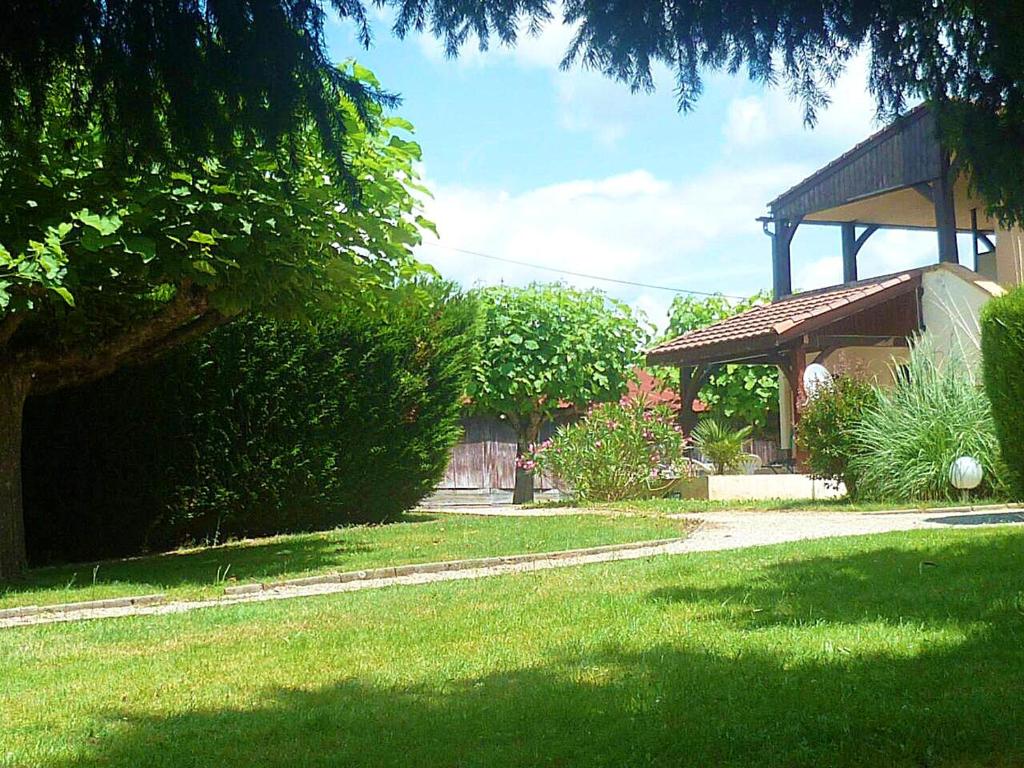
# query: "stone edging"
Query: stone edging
{"points": [[982, 509], [336, 578], [446, 565], [89, 605]]}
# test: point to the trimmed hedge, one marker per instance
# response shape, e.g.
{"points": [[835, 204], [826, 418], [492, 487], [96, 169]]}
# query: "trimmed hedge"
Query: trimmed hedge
{"points": [[262, 427], [1002, 346]]}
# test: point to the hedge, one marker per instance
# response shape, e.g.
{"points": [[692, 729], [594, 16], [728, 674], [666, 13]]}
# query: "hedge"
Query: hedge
{"points": [[262, 427], [1002, 346]]}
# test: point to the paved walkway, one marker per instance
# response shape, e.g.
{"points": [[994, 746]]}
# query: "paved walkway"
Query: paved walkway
{"points": [[734, 530], [716, 531]]}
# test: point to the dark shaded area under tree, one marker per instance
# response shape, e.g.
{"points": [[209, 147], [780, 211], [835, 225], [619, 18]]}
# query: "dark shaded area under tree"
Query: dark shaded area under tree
{"points": [[259, 428]]}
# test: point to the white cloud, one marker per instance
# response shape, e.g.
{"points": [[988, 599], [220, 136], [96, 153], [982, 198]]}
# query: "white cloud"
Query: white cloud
{"points": [[633, 226], [590, 103], [746, 122], [828, 270], [754, 121], [587, 102]]}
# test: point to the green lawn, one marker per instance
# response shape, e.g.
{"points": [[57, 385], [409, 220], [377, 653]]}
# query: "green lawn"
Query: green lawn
{"points": [[417, 538], [893, 650]]}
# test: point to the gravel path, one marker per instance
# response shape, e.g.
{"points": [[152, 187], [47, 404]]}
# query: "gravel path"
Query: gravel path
{"points": [[716, 531], [734, 530]]}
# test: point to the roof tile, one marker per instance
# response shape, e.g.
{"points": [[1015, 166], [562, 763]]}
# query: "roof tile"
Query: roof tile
{"points": [[770, 321]]}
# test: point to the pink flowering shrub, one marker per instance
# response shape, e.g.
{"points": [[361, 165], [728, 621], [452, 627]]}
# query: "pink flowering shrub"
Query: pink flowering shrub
{"points": [[617, 451]]}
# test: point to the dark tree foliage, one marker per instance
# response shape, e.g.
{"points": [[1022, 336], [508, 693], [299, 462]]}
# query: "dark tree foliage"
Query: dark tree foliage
{"points": [[176, 79], [189, 76], [260, 427]]}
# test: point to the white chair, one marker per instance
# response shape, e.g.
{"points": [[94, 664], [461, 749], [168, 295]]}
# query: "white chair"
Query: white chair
{"points": [[750, 464]]}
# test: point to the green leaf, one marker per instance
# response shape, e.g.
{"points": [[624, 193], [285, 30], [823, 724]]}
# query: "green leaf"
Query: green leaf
{"points": [[141, 245], [105, 225], [64, 293], [205, 238]]}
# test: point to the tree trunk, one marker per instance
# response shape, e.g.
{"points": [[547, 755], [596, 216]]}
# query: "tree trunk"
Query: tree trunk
{"points": [[526, 436], [13, 391]]}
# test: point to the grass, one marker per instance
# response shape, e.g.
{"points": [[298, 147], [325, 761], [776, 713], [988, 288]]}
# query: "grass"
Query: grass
{"points": [[682, 506], [416, 538], [893, 650]]}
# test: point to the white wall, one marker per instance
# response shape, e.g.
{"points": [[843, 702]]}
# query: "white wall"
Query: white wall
{"points": [[1009, 261], [951, 307]]}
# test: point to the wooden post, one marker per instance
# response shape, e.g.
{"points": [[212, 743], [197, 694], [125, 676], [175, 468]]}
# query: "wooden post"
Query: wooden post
{"points": [[797, 367], [691, 379], [945, 212], [782, 270], [850, 249]]}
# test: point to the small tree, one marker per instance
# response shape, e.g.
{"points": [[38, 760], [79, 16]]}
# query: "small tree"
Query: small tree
{"points": [[827, 426], [548, 345], [742, 393], [720, 444]]}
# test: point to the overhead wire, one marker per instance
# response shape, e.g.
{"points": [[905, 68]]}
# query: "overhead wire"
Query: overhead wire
{"points": [[585, 275]]}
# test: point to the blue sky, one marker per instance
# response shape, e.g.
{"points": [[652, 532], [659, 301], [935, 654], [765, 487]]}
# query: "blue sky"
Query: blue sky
{"points": [[571, 170]]}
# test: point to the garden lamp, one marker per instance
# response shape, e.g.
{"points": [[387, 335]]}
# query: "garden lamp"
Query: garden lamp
{"points": [[816, 377], [965, 474]]}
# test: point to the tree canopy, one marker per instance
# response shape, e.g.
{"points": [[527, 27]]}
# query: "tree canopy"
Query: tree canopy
{"points": [[193, 76], [105, 264], [189, 246], [546, 346], [744, 394]]}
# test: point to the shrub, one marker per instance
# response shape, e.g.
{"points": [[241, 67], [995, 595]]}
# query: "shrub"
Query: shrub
{"points": [[825, 430], [905, 443], [1002, 346], [261, 427], [720, 444], [617, 451]]}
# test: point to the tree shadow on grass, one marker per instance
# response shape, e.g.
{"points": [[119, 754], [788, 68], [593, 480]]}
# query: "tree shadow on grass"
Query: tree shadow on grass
{"points": [[251, 560], [692, 702]]}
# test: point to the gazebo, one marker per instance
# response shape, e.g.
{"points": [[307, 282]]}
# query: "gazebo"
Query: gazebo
{"points": [[901, 178]]}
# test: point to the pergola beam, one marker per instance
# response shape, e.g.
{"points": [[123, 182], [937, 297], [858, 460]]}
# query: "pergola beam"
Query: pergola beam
{"points": [[782, 270], [825, 341], [945, 212], [852, 243], [691, 379]]}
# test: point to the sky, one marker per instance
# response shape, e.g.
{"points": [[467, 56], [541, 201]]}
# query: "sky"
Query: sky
{"points": [[569, 170]]}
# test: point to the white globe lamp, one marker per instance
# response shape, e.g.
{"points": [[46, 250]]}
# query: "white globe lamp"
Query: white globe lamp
{"points": [[816, 376], [965, 474]]}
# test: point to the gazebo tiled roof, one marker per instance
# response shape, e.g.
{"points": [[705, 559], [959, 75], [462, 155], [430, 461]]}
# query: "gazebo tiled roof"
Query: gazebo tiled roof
{"points": [[763, 329]]}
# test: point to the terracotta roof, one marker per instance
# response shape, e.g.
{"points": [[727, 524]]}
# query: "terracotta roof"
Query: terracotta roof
{"points": [[762, 329]]}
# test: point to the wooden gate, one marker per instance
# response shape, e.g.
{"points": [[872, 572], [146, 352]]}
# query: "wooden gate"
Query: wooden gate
{"points": [[485, 458]]}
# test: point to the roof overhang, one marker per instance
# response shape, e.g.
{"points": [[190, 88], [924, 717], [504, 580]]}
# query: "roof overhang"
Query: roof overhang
{"points": [[814, 319], [886, 180]]}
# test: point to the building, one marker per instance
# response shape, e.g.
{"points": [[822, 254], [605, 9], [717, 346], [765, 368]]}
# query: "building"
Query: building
{"points": [[900, 178]]}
